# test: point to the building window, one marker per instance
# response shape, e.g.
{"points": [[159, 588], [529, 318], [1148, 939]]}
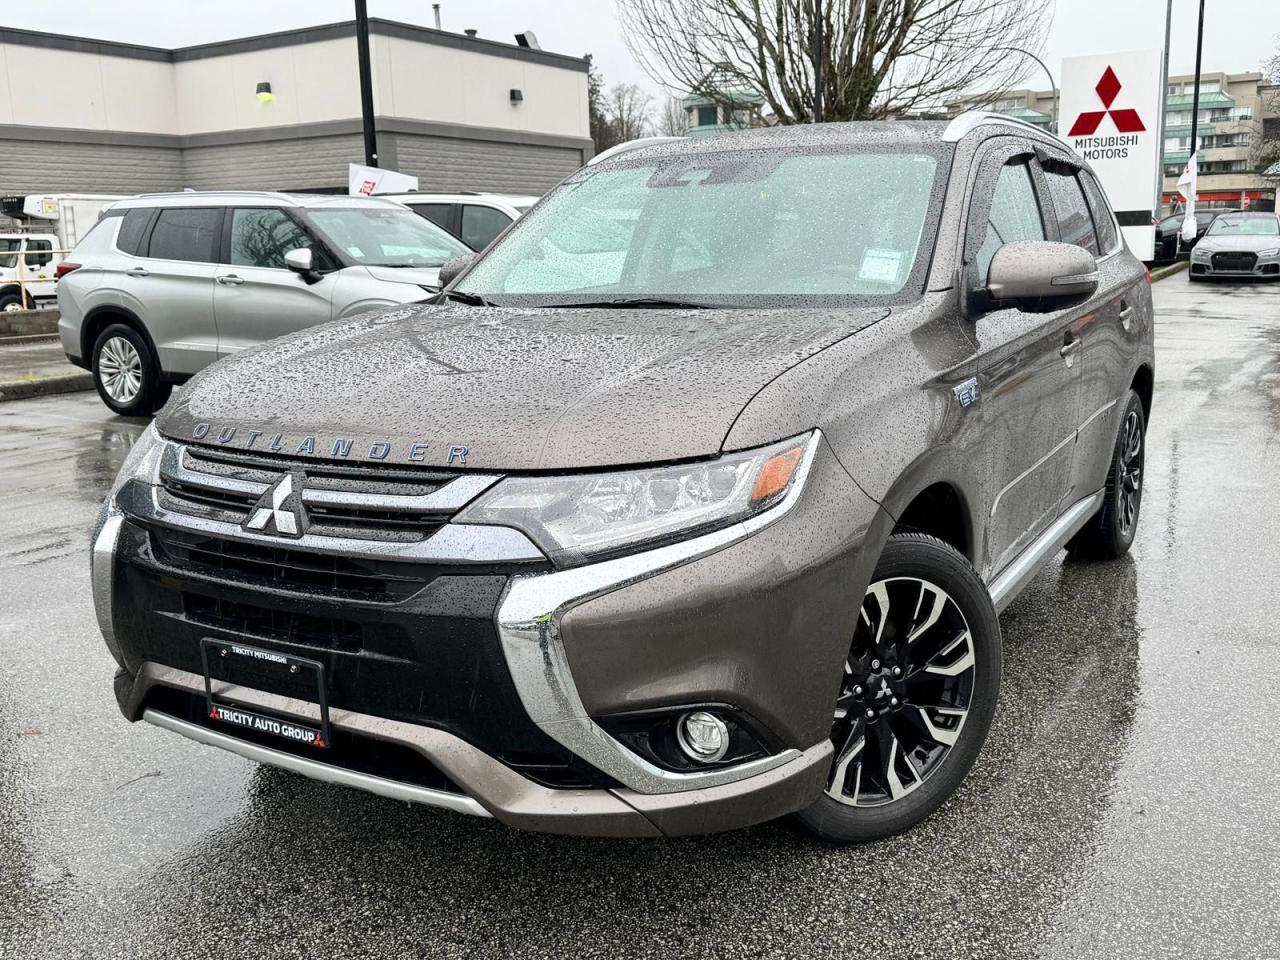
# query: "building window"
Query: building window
{"points": [[707, 116]]}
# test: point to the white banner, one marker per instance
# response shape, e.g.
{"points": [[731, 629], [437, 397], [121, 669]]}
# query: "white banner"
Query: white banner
{"points": [[365, 181], [1110, 114]]}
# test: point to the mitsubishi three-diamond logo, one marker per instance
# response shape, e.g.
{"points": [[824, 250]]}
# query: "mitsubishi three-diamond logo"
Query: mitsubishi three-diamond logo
{"points": [[1126, 120], [279, 510]]}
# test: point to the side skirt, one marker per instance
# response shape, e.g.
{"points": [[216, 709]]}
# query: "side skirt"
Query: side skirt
{"points": [[1020, 572]]}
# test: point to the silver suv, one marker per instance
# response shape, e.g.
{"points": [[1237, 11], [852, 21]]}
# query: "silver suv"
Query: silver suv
{"points": [[166, 284]]}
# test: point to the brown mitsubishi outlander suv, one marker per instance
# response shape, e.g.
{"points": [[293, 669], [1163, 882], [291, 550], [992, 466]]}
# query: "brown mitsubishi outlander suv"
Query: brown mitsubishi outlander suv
{"points": [[691, 502]]}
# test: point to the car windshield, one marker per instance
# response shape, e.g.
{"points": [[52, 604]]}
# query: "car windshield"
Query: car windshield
{"points": [[1245, 227], [8, 251], [387, 236], [722, 229]]}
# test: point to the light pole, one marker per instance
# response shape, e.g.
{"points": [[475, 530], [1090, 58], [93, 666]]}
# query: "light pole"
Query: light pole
{"points": [[1052, 86], [366, 85]]}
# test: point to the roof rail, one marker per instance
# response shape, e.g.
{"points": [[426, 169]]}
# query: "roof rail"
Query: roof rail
{"points": [[630, 145], [970, 120]]}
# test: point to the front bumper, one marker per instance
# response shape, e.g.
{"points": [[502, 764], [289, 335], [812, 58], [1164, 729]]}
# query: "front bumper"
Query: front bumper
{"points": [[1233, 263], [491, 691]]}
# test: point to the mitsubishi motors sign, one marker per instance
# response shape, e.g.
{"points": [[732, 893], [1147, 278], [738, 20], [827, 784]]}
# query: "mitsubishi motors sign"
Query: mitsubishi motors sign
{"points": [[1110, 112]]}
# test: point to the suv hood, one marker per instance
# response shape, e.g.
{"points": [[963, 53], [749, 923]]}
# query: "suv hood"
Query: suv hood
{"points": [[1239, 241], [519, 389]]}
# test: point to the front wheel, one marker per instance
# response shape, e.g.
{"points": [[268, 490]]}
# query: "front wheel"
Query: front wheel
{"points": [[917, 697]]}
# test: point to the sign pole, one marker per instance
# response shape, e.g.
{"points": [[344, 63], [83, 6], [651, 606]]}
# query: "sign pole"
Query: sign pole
{"points": [[1164, 109], [366, 84]]}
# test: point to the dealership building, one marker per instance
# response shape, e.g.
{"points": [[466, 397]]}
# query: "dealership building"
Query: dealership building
{"points": [[282, 112]]}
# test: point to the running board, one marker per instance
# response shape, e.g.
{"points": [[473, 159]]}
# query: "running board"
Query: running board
{"points": [[394, 789], [1019, 573]]}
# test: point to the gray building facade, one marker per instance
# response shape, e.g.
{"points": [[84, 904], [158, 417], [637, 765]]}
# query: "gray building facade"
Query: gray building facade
{"points": [[81, 115]]}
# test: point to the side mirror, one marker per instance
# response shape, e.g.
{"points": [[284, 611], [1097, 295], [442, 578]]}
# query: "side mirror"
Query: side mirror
{"points": [[1039, 276], [452, 269], [300, 260]]}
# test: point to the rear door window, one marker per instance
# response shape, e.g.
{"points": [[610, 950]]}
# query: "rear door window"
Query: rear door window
{"points": [[186, 233], [260, 237], [481, 224], [1075, 224], [437, 213], [1102, 218]]}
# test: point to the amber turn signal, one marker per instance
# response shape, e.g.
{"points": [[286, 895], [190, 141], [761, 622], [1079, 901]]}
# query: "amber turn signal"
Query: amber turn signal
{"points": [[775, 476]]}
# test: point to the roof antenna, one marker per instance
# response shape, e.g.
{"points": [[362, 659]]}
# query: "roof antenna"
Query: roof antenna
{"points": [[435, 8]]}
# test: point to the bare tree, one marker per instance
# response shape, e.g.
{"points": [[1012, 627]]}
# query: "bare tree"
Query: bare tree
{"points": [[878, 58], [627, 109], [1265, 137], [672, 119]]}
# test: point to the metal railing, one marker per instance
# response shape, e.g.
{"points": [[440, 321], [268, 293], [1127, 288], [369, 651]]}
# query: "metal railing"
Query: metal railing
{"points": [[23, 277]]}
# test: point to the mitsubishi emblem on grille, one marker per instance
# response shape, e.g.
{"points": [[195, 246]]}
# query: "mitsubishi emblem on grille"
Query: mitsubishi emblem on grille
{"points": [[279, 510]]}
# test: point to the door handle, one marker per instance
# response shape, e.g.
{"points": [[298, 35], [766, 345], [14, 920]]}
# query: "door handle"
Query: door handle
{"points": [[136, 272], [1126, 317], [1068, 349], [229, 280]]}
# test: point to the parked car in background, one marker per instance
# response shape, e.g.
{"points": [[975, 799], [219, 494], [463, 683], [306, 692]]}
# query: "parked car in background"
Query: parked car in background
{"points": [[1168, 233], [166, 284], [474, 218], [1238, 245], [709, 525], [30, 257]]}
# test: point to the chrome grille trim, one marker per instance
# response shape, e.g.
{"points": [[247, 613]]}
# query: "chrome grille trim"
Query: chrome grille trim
{"points": [[450, 498], [452, 543], [173, 469]]}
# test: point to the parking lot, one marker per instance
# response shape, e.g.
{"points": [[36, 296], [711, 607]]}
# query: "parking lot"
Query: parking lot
{"points": [[1125, 803]]}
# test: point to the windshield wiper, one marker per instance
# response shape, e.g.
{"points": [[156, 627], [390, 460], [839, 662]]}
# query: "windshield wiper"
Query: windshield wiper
{"points": [[470, 299], [653, 303]]}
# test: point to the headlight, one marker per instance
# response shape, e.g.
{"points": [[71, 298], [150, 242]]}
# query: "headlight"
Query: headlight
{"points": [[1269, 253], [575, 517], [143, 461], [1199, 252]]}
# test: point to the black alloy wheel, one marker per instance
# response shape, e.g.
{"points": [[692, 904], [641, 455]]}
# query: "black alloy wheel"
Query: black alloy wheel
{"points": [[1110, 533], [917, 696]]}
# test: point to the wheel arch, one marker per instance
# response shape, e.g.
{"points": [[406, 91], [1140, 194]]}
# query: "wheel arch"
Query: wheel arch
{"points": [[99, 318], [936, 495], [1143, 384]]}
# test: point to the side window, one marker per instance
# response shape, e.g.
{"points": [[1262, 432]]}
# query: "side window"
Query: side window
{"points": [[481, 224], [1108, 239], [186, 233], [1015, 215], [1074, 221], [39, 253], [134, 224], [437, 213], [260, 237]]}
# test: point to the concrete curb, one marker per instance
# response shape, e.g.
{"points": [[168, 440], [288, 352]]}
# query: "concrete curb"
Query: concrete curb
{"points": [[1161, 272], [45, 386]]}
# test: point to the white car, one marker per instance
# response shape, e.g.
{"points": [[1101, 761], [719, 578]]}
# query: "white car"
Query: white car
{"points": [[474, 218], [166, 284]]}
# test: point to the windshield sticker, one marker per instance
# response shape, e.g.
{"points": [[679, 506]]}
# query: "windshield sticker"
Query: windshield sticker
{"points": [[880, 266], [355, 252]]}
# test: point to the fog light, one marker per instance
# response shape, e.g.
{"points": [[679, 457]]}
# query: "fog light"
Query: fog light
{"points": [[703, 736]]}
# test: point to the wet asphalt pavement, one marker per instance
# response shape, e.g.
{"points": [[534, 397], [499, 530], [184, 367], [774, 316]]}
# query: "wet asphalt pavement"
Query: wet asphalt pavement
{"points": [[1127, 803]]}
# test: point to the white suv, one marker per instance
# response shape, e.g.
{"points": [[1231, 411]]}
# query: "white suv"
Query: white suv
{"points": [[474, 218], [166, 284]]}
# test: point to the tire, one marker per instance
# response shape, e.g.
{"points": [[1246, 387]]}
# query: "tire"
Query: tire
{"points": [[1110, 533], [126, 374], [13, 301], [939, 618]]}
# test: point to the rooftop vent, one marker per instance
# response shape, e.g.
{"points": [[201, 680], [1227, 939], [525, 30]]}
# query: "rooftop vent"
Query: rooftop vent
{"points": [[527, 39]]}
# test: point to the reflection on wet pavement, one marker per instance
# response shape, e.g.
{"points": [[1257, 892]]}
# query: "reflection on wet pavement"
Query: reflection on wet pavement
{"points": [[1124, 805]]}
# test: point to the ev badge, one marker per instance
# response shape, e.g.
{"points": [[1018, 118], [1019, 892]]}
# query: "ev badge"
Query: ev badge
{"points": [[278, 511]]}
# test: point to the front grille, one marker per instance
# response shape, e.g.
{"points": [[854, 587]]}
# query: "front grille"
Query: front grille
{"points": [[340, 500], [285, 568], [1234, 260]]}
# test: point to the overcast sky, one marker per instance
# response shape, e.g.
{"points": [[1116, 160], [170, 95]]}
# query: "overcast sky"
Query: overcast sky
{"points": [[1239, 34]]}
